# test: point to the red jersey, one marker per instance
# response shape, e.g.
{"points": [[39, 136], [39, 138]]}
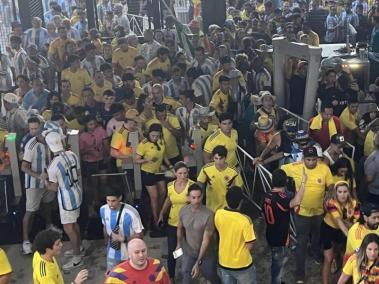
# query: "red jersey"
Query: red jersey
{"points": [[154, 273]]}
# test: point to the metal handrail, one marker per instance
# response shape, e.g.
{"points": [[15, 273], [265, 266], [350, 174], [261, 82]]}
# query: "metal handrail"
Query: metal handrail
{"points": [[294, 115]]}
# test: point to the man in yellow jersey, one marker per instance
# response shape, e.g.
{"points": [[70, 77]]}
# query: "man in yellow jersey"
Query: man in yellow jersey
{"points": [[349, 119], [227, 69], [237, 239], [120, 145], [48, 245], [218, 177], [225, 136], [100, 85], [56, 51], [68, 96], [161, 61], [123, 56], [220, 99], [368, 223], [78, 77], [309, 215], [158, 94], [5, 268]]}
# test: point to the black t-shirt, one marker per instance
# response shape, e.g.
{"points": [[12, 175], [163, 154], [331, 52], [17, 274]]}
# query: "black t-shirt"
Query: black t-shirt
{"points": [[105, 115], [276, 210]]}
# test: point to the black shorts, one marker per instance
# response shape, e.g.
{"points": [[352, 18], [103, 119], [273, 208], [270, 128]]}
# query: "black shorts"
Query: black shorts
{"points": [[149, 179], [330, 236], [90, 168]]}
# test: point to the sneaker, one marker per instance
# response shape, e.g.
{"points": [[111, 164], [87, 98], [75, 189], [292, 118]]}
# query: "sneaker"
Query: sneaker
{"points": [[26, 248], [74, 262], [70, 252]]}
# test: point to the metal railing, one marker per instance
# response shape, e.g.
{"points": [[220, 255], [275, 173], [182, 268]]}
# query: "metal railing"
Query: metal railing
{"points": [[138, 23]]}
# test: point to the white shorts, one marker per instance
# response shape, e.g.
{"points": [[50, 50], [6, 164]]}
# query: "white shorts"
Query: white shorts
{"points": [[34, 197], [68, 217]]}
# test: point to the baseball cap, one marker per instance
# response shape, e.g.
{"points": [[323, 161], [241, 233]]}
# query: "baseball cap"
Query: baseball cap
{"points": [[310, 152], [337, 139], [368, 208], [54, 141], [132, 114], [10, 98]]}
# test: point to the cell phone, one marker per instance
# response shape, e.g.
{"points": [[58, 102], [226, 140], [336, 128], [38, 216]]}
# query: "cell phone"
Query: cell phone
{"points": [[177, 253]]}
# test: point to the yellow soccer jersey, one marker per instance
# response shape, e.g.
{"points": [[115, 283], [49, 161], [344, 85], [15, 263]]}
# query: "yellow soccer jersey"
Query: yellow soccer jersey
{"points": [[351, 268], [155, 63], [235, 230], [355, 236], [78, 79], [150, 151], [218, 183], [318, 179], [45, 272], [219, 102], [100, 90], [172, 149], [230, 143], [124, 59]]}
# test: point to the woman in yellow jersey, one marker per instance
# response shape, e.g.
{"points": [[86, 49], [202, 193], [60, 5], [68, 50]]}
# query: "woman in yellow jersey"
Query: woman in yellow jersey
{"points": [[363, 265], [342, 170], [175, 200], [48, 245], [341, 212], [150, 155]]}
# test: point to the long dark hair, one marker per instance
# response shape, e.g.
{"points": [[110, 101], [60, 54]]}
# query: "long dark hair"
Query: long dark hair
{"points": [[50, 96], [154, 127], [362, 259], [344, 163]]}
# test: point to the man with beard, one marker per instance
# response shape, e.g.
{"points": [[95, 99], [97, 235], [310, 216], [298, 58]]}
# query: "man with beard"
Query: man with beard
{"points": [[367, 224], [309, 214]]}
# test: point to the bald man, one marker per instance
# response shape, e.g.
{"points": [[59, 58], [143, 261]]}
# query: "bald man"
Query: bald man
{"points": [[139, 268]]}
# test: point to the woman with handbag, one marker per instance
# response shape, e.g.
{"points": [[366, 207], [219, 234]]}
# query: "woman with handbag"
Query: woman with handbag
{"points": [[176, 198]]}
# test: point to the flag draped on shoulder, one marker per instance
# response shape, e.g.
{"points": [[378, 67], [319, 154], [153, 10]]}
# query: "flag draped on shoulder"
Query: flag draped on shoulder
{"points": [[183, 39]]}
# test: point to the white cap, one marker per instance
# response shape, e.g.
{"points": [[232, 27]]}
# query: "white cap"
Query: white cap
{"points": [[10, 98], [54, 141]]}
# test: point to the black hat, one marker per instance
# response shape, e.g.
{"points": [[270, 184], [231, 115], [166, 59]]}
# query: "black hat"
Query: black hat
{"points": [[310, 152], [368, 208], [337, 139]]}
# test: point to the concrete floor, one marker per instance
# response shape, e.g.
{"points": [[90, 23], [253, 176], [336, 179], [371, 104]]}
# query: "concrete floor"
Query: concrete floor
{"points": [[95, 261]]}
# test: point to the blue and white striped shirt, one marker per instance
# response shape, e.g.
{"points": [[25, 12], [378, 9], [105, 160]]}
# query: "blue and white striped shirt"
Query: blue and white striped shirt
{"points": [[63, 170], [130, 224], [35, 154]]}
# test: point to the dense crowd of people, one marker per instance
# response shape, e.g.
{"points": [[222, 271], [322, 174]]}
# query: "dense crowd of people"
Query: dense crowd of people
{"points": [[109, 84]]}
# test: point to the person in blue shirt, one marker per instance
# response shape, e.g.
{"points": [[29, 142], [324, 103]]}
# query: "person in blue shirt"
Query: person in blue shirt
{"points": [[375, 36], [36, 98]]}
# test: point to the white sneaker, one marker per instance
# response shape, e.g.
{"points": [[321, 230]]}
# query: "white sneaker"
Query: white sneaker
{"points": [[26, 248], [70, 252], [74, 262]]}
